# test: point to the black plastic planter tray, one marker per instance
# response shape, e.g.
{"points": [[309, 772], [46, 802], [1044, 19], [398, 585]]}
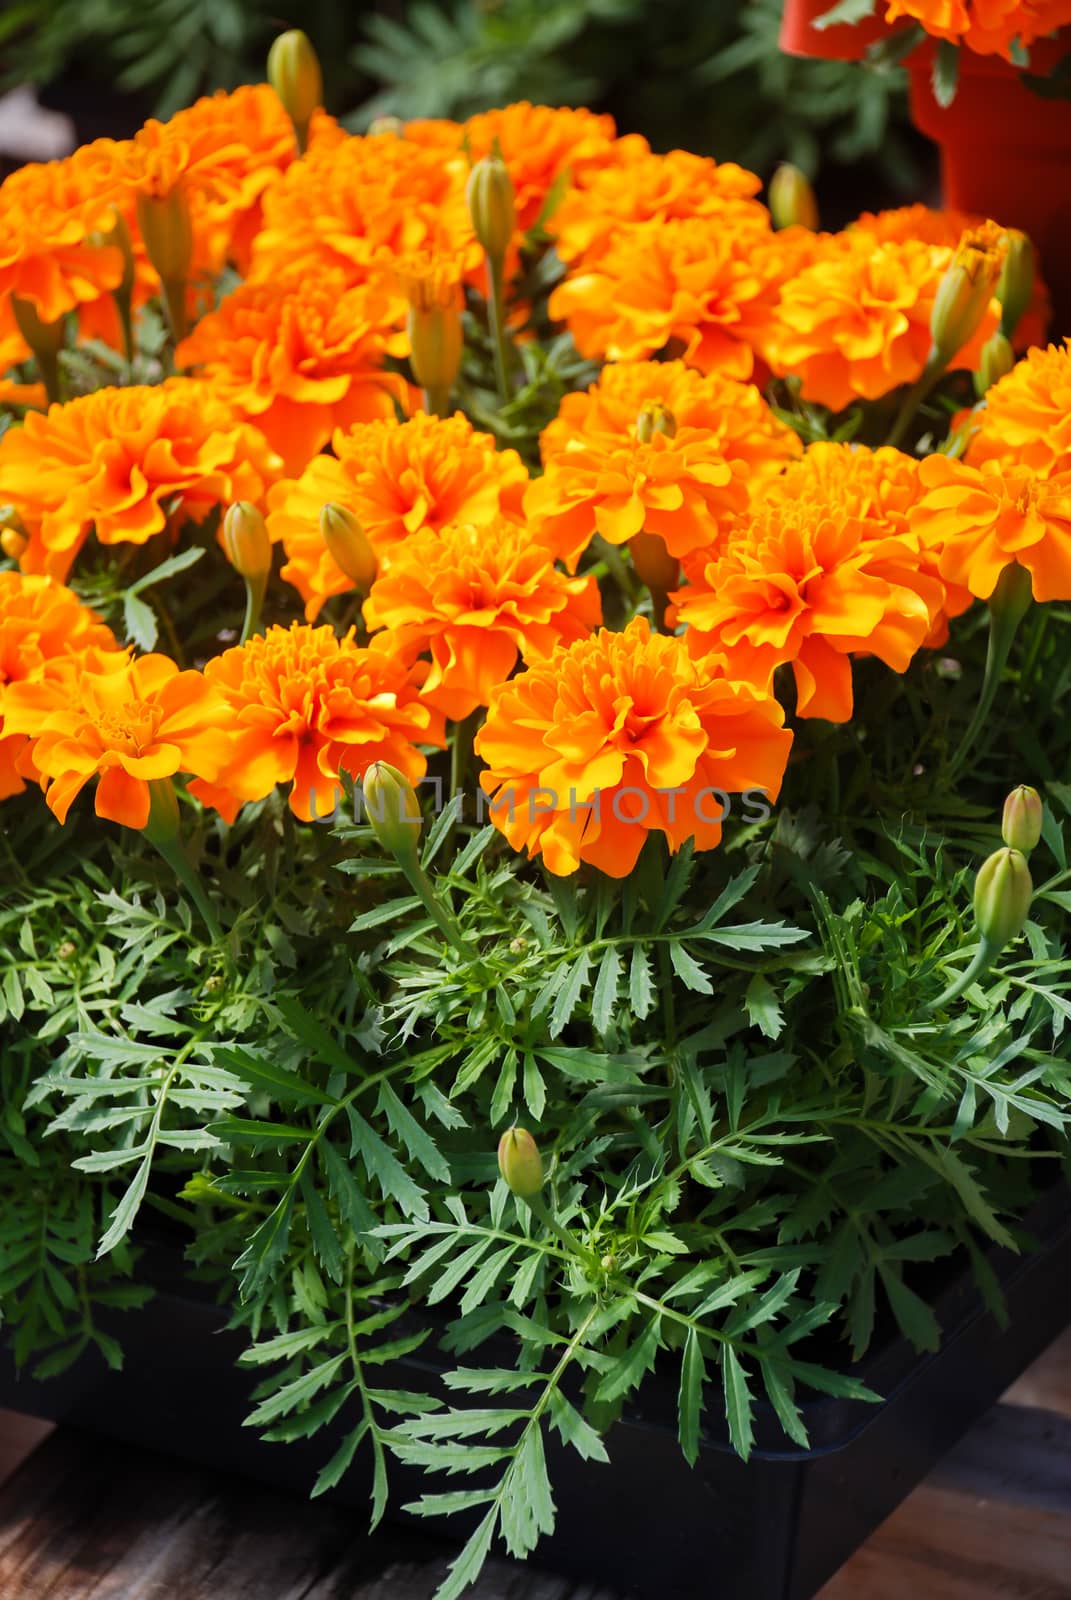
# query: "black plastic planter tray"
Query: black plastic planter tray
{"points": [[647, 1524]]}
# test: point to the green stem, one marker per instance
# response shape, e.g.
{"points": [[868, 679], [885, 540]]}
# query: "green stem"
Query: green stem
{"points": [[919, 390], [461, 755], [1008, 605], [255, 590], [444, 921], [984, 957], [174, 298], [539, 1208], [122, 298], [49, 368], [496, 308], [173, 853]]}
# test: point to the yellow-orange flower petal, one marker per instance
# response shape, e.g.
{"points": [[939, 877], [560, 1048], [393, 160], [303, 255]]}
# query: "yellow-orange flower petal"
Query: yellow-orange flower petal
{"points": [[618, 736], [979, 520], [1026, 420], [476, 599], [301, 357], [131, 723], [396, 479], [124, 461], [856, 322], [801, 583], [305, 707]]}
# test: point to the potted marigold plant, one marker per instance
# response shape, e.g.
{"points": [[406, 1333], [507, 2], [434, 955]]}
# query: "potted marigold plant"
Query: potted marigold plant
{"points": [[991, 86], [534, 762]]}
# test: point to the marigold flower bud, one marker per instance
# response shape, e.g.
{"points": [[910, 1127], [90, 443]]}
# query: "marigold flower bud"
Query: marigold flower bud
{"points": [[1016, 285], [118, 238], [792, 201], [13, 543], [294, 73], [655, 418], [392, 809], [520, 1163], [1002, 893], [966, 289], [652, 561], [246, 540], [43, 338], [1020, 826], [491, 205], [349, 546], [163, 823], [435, 344], [393, 125], [998, 358], [167, 232]]}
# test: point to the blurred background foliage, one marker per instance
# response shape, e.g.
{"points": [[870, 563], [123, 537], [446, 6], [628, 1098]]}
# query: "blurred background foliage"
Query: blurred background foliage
{"points": [[705, 74]]}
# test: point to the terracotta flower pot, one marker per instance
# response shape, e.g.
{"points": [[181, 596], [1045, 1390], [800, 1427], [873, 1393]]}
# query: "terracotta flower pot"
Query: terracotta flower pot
{"points": [[1005, 151]]}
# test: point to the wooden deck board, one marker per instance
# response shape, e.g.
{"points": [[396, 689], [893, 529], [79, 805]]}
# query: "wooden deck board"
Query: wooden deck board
{"points": [[85, 1519]]}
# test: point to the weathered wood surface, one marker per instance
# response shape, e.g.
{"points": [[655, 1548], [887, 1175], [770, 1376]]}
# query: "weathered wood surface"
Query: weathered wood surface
{"points": [[83, 1519]]}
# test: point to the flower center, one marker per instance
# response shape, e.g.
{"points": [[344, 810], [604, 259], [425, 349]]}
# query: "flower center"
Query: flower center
{"points": [[130, 730]]}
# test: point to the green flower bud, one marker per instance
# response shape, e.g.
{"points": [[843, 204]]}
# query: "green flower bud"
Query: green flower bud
{"points": [[650, 558], [392, 809], [1016, 286], [655, 418], [246, 541], [792, 201], [1002, 893], [349, 547], [163, 823], [167, 233], [520, 1163], [998, 358], [491, 205], [14, 543], [294, 73], [43, 338], [1021, 824], [964, 293]]}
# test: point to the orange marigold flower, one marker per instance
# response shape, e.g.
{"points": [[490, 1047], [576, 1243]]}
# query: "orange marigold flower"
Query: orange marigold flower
{"points": [[396, 478], [601, 478], [978, 520], [947, 227], [676, 486], [542, 146], [124, 462], [49, 214], [802, 583], [709, 290], [735, 414], [306, 707], [618, 736], [225, 152], [991, 27], [856, 322], [127, 721], [43, 627], [355, 206], [299, 358], [1026, 420], [878, 489], [654, 188], [475, 599]]}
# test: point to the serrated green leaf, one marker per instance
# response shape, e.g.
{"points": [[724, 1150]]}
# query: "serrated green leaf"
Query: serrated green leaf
{"points": [[604, 998], [640, 986], [737, 1402]]}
